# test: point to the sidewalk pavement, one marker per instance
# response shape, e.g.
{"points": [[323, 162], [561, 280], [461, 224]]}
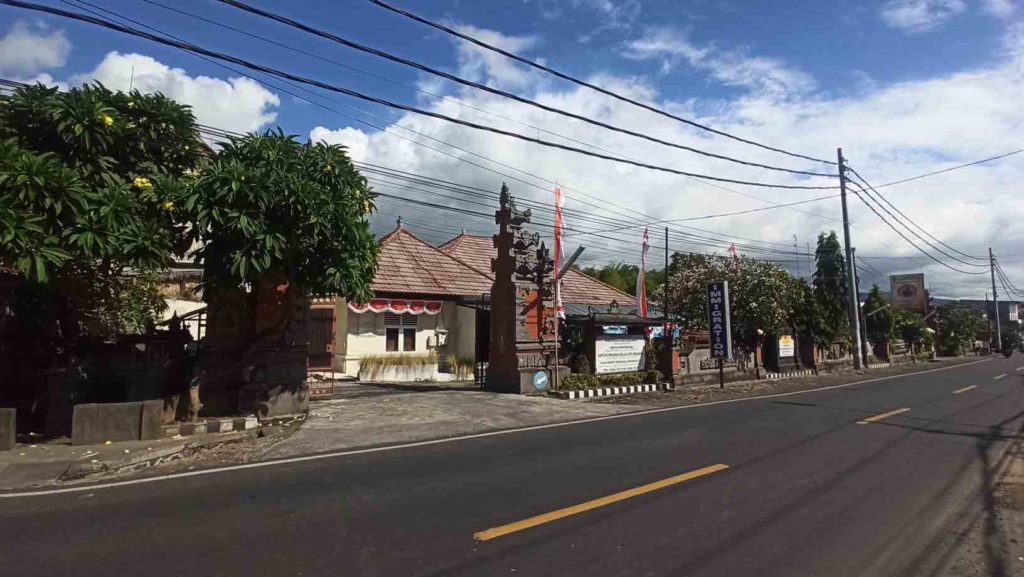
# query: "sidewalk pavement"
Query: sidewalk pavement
{"points": [[51, 463], [366, 419]]}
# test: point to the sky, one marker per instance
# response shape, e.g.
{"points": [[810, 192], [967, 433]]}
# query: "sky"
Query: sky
{"points": [[905, 87]]}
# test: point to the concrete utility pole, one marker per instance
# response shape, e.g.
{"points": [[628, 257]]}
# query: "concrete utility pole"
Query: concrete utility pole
{"points": [[995, 299], [854, 298], [860, 311]]}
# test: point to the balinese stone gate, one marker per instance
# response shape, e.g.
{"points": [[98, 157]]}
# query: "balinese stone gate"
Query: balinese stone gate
{"points": [[522, 310]]}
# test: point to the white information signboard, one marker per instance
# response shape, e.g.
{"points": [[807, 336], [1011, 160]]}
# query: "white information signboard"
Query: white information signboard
{"points": [[787, 347], [618, 354]]}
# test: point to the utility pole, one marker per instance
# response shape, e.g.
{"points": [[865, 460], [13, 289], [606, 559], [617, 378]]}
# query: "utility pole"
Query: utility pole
{"points": [[854, 298], [810, 264], [860, 311], [796, 255], [995, 299], [666, 336]]}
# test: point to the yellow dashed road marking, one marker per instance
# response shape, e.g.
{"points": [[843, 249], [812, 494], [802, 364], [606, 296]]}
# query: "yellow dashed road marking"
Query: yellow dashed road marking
{"points": [[503, 530]]}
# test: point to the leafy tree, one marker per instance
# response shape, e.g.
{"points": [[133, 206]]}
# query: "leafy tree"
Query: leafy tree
{"points": [[959, 326], [830, 290], [910, 327], [623, 277], [878, 316], [85, 213], [267, 204], [761, 293]]}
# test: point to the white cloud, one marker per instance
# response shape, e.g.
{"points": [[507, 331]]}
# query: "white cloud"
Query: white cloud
{"points": [[999, 8], [29, 49], [238, 104], [487, 67], [354, 139], [888, 132], [920, 15], [735, 67]]}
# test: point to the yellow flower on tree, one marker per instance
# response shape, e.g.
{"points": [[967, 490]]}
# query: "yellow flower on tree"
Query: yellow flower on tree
{"points": [[366, 206], [328, 168], [142, 182], [169, 205], [107, 120]]}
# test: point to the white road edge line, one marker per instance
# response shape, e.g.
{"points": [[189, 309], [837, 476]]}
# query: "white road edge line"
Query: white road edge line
{"points": [[320, 456]]}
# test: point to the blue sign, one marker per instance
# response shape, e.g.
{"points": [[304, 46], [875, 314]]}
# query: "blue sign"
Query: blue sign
{"points": [[540, 380], [719, 320]]}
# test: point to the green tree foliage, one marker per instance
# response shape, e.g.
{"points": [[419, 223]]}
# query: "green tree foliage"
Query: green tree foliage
{"points": [[830, 290], [959, 326], [762, 294], [878, 316], [269, 204], [623, 277], [85, 213], [910, 327]]}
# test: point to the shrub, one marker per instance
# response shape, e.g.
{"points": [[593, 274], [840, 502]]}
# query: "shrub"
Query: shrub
{"points": [[577, 381], [621, 379], [653, 377], [371, 366]]}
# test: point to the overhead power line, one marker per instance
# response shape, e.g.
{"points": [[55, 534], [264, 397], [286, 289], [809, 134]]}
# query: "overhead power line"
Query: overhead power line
{"points": [[858, 190], [190, 47], [456, 101], [950, 169], [503, 93], [586, 84], [864, 182]]}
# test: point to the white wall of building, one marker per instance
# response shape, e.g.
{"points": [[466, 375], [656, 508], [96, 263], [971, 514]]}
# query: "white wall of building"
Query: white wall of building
{"points": [[362, 334]]}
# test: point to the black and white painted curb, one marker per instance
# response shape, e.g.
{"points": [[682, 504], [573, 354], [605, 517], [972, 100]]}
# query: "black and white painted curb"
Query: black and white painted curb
{"points": [[211, 426], [788, 375], [879, 365], [613, 391]]}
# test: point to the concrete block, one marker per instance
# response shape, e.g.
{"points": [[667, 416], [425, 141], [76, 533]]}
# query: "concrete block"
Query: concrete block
{"points": [[193, 428], [151, 420], [171, 430], [93, 423], [246, 423], [8, 421], [220, 426]]}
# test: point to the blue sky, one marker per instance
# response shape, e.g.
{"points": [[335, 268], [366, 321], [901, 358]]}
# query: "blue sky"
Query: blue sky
{"points": [[905, 86]]}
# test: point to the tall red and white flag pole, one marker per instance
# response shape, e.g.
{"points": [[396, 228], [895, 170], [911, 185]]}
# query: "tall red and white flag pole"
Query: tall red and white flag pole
{"points": [[559, 255], [557, 282], [641, 279]]}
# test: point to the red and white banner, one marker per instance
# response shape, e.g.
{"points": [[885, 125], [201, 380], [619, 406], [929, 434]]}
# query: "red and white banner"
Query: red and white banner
{"points": [[397, 306], [641, 279], [559, 254]]}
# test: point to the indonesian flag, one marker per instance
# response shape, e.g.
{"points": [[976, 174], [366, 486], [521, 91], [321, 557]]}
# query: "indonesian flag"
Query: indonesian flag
{"points": [[641, 279], [559, 307]]}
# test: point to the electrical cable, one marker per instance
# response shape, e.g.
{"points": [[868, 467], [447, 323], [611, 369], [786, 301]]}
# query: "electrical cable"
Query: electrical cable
{"points": [[586, 84], [950, 169], [919, 227], [190, 47], [910, 242], [498, 92]]}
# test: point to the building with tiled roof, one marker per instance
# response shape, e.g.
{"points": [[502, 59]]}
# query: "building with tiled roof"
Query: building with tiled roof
{"points": [[577, 287], [430, 312]]}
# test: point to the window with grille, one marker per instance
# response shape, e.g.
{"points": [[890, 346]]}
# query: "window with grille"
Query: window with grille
{"points": [[400, 332]]}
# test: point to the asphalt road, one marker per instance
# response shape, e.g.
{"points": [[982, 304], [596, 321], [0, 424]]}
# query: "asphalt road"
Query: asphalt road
{"points": [[807, 491]]}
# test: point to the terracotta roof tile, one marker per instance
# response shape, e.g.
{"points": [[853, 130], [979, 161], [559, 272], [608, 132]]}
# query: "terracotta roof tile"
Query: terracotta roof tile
{"points": [[408, 264], [577, 287]]}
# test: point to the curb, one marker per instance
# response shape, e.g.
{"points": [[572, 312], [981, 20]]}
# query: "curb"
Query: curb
{"points": [[612, 391], [210, 426], [788, 375]]}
